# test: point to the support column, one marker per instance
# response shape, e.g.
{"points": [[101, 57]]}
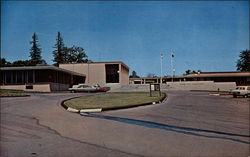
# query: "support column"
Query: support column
{"points": [[120, 72]]}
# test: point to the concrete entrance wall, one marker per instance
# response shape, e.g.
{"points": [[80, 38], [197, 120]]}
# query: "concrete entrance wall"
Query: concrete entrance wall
{"points": [[192, 85], [202, 85]]}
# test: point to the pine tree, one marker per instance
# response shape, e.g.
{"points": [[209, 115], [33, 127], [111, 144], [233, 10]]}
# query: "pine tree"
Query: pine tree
{"points": [[35, 52], [59, 52], [243, 63]]}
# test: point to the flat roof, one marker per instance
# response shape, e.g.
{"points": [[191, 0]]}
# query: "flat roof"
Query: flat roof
{"points": [[203, 74], [41, 67], [110, 62], [219, 74]]}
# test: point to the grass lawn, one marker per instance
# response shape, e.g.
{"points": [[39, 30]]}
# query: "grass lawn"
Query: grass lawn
{"points": [[112, 100], [11, 93]]}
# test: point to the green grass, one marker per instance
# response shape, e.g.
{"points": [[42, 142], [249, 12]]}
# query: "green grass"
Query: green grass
{"points": [[11, 93], [112, 100]]}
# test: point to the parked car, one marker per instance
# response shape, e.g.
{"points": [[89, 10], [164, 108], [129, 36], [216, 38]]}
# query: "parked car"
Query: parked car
{"points": [[241, 91], [88, 88]]}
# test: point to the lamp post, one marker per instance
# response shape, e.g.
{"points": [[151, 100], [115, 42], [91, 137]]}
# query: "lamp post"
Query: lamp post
{"points": [[161, 57], [172, 66]]}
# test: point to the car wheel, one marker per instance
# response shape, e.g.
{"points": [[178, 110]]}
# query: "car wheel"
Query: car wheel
{"points": [[235, 96]]}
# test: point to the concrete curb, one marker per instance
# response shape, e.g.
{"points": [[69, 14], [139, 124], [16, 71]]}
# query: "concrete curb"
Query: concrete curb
{"points": [[72, 110], [214, 94], [108, 109], [91, 110]]}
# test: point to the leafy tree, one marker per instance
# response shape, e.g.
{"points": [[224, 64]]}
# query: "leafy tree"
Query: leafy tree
{"points": [[243, 63], [134, 75], [59, 52], [191, 72], [21, 63], [80, 55], [35, 52], [75, 54], [4, 62], [151, 75]]}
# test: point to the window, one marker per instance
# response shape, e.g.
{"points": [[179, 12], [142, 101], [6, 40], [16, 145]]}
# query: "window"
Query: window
{"points": [[19, 77], [30, 77], [29, 87], [8, 78], [112, 73]]}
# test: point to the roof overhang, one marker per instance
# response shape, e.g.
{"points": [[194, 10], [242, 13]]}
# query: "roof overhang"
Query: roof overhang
{"points": [[45, 67], [113, 62]]}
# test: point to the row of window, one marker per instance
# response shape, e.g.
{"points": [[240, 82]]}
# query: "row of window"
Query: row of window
{"points": [[32, 76], [18, 77]]}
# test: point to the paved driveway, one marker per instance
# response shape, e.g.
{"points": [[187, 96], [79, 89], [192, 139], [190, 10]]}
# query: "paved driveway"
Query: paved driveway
{"points": [[187, 124]]}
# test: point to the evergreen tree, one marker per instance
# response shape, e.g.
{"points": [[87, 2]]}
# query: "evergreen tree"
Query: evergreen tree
{"points": [[243, 63], [59, 52], [134, 75], [35, 52]]}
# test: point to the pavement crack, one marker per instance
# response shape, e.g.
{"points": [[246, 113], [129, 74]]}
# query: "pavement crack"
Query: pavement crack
{"points": [[53, 131], [21, 132]]}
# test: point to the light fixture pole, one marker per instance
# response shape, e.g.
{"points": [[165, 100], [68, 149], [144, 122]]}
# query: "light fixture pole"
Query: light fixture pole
{"points": [[172, 66], [161, 57]]}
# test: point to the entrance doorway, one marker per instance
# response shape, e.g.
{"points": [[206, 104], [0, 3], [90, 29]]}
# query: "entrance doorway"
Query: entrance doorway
{"points": [[112, 73]]}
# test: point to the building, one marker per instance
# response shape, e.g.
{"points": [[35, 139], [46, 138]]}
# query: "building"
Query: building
{"points": [[240, 78], [39, 78], [101, 72]]}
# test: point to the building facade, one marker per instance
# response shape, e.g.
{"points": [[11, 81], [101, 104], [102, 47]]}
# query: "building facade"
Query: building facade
{"points": [[101, 72], [240, 78], [39, 78]]}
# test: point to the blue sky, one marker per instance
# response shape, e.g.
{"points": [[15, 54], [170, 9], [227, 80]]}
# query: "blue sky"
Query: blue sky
{"points": [[203, 35]]}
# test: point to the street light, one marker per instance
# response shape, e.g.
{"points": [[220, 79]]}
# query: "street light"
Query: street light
{"points": [[172, 66], [161, 57]]}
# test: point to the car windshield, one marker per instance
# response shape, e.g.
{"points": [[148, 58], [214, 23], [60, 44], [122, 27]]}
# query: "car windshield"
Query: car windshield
{"points": [[83, 86], [240, 88]]}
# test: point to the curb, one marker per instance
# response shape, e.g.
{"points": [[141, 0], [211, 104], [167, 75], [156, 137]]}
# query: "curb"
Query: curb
{"points": [[214, 94], [78, 111], [108, 109]]}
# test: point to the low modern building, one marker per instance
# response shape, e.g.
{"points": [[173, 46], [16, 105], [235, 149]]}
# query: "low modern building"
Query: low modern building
{"points": [[101, 72], [240, 78], [39, 78]]}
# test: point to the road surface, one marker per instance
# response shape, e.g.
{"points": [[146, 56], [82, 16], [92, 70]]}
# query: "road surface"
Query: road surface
{"points": [[187, 124]]}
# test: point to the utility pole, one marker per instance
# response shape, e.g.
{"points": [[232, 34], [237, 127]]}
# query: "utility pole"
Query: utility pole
{"points": [[161, 57], [172, 66]]}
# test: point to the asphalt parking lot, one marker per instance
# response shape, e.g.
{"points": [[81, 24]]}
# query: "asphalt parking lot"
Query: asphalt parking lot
{"points": [[187, 124]]}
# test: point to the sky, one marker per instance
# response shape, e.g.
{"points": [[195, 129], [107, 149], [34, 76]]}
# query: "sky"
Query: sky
{"points": [[203, 35]]}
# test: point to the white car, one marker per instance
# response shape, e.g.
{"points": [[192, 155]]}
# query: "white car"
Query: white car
{"points": [[241, 91], [87, 88]]}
